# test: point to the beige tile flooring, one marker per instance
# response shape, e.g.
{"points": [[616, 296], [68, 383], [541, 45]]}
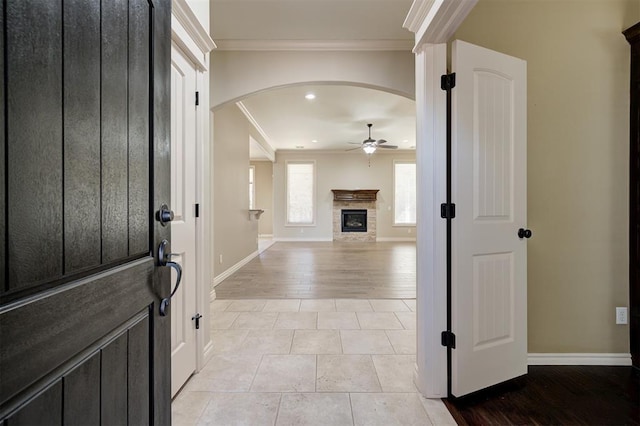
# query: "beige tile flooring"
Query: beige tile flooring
{"points": [[309, 362]]}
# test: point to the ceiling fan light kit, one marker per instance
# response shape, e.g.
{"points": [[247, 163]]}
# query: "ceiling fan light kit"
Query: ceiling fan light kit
{"points": [[369, 145]]}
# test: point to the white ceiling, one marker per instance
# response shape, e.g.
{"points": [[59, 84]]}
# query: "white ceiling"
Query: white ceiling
{"points": [[339, 114]]}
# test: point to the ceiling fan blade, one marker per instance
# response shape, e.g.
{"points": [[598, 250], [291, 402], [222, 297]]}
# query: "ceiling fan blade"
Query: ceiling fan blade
{"points": [[352, 149], [388, 146], [354, 143], [381, 141]]}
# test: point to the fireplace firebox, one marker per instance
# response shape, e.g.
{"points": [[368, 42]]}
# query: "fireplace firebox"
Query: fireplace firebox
{"points": [[354, 220]]}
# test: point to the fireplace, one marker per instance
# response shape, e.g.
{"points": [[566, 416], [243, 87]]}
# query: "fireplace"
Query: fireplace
{"points": [[354, 215], [354, 220]]}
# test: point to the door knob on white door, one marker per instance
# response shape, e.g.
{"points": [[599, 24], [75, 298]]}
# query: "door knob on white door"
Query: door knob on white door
{"points": [[524, 233]]}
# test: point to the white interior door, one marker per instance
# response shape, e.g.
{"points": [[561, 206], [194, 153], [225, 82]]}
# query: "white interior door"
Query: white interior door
{"points": [[183, 227], [489, 188]]}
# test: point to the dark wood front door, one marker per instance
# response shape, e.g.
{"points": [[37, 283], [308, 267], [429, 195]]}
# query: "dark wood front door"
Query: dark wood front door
{"points": [[633, 37], [84, 165]]}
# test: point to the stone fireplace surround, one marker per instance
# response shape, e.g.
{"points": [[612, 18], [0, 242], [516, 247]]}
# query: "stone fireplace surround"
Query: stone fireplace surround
{"points": [[353, 200]]}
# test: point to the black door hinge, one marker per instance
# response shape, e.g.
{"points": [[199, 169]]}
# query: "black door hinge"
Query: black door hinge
{"points": [[197, 317], [448, 81], [197, 98], [198, 210], [448, 339], [447, 211]]}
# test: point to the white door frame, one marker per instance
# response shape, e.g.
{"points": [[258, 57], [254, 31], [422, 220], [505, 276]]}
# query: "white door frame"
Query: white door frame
{"points": [[193, 39], [433, 22]]}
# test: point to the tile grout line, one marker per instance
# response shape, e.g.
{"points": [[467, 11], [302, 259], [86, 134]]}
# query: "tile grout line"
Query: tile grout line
{"points": [[353, 418], [278, 410], [204, 409], [253, 379], [391, 343]]}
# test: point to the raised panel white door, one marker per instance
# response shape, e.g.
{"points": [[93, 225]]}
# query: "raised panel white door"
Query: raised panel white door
{"points": [[489, 188], [183, 226]]}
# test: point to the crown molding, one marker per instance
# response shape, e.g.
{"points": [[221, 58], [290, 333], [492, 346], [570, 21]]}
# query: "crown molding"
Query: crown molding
{"points": [[315, 45], [185, 16], [259, 129], [417, 14], [345, 152], [435, 21]]}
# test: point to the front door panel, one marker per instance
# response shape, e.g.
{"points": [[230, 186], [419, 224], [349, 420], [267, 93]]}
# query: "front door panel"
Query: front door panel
{"points": [[85, 163]]}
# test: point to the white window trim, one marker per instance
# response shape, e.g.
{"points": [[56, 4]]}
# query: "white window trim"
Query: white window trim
{"points": [[395, 224], [313, 196], [252, 195]]}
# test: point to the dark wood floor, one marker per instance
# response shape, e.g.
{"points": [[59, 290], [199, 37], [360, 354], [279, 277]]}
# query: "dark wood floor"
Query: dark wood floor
{"points": [[556, 395], [326, 270]]}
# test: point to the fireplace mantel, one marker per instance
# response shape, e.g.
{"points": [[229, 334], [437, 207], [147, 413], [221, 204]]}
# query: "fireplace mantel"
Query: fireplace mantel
{"points": [[355, 194]]}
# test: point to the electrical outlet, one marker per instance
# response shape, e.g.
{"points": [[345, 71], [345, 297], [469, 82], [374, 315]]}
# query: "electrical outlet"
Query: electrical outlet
{"points": [[408, 230], [621, 315], [220, 259]]}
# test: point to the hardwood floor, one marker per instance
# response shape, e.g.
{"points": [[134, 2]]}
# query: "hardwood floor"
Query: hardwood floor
{"points": [[319, 270], [558, 395]]}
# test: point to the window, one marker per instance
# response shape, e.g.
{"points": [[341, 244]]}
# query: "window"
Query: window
{"points": [[404, 193], [300, 193], [252, 187]]}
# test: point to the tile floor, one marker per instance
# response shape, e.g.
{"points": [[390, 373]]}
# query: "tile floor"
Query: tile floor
{"points": [[309, 362]]}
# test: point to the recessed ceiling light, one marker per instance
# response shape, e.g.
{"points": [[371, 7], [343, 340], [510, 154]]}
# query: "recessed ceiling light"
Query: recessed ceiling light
{"points": [[314, 141], [310, 96], [406, 140]]}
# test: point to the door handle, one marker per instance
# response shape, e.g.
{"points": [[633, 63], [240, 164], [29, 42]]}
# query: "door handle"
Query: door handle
{"points": [[164, 259], [524, 233]]}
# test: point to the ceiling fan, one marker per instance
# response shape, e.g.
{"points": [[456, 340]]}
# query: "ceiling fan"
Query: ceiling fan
{"points": [[370, 145]]}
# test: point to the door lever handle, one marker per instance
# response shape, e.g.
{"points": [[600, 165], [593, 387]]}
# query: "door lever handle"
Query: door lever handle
{"points": [[163, 260]]}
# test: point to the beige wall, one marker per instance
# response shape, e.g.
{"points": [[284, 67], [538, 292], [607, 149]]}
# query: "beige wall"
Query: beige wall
{"points": [[578, 137], [236, 74], [264, 195], [632, 14], [340, 171], [234, 234]]}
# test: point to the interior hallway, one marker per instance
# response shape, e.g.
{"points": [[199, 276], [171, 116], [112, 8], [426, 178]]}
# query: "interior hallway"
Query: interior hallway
{"points": [[309, 362]]}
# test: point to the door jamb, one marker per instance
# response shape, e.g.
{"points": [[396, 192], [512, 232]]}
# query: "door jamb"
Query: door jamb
{"points": [[433, 23], [193, 39]]}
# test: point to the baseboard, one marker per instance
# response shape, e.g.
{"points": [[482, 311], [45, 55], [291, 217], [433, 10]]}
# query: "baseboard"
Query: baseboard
{"points": [[306, 240], [223, 276], [262, 247], [207, 353], [579, 359], [384, 239]]}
